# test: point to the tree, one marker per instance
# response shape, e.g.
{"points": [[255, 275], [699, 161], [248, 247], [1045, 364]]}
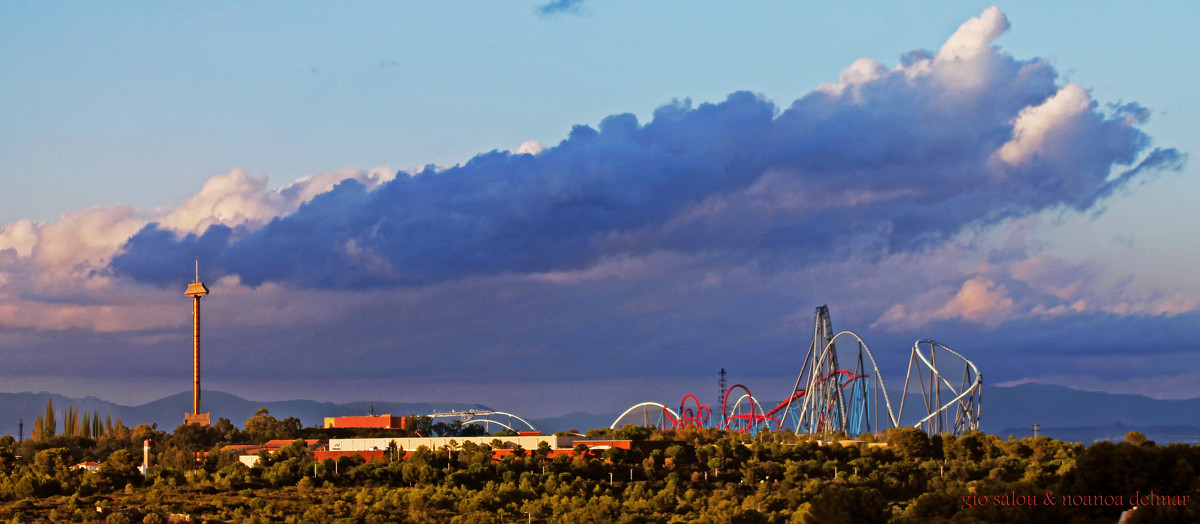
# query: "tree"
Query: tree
{"points": [[8, 453], [226, 430], [836, 504], [69, 421], [1138, 438], [542, 451], [420, 425], [119, 469], [142, 432], [260, 424], [55, 463], [451, 446], [195, 437], [49, 428], [263, 427], [909, 442]]}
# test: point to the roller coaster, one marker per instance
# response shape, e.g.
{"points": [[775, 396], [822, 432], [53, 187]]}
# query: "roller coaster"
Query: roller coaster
{"points": [[828, 398]]}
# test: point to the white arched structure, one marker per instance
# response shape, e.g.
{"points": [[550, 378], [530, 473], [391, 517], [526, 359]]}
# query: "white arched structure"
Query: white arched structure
{"points": [[823, 403], [645, 407], [950, 407], [476, 416]]}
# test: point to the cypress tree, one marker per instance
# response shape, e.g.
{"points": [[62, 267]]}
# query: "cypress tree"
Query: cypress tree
{"points": [[48, 425]]}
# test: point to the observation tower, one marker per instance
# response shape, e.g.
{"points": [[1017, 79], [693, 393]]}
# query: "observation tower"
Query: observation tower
{"points": [[196, 290]]}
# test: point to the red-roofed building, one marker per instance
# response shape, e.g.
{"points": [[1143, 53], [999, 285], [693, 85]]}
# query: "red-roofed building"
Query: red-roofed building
{"points": [[248, 453], [89, 466]]}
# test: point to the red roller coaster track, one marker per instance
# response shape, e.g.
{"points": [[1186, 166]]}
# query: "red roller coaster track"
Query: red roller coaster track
{"points": [[753, 418]]}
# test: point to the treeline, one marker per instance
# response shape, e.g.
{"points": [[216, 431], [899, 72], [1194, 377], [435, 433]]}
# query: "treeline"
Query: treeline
{"points": [[697, 475], [75, 423]]}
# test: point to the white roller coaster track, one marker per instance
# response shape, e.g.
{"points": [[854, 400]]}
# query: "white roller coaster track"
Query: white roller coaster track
{"points": [[966, 404], [644, 405]]}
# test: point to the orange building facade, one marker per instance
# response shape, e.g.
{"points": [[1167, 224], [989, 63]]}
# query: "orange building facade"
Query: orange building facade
{"points": [[366, 421]]}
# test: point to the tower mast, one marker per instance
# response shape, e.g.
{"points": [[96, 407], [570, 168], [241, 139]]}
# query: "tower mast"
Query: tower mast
{"points": [[196, 290]]}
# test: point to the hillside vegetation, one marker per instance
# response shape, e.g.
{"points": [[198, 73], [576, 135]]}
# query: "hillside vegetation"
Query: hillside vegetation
{"points": [[697, 475]]}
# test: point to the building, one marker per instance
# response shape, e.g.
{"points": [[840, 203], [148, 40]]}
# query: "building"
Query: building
{"points": [[248, 453], [366, 421], [375, 448], [529, 442]]}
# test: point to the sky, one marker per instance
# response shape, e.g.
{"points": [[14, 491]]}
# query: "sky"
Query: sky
{"points": [[577, 206]]}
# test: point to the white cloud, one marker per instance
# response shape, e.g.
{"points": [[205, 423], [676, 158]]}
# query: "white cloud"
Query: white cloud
{"points": [[76, 238], [530, 147], [231, 199], [862, 71], [20, 236], [963, 61], [237, 198], [1034, 127]]}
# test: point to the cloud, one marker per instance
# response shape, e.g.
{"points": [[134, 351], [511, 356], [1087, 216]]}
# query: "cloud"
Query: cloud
{"points": [[992, 276], [559, 6], [54, 275], [1034, 127], [966, 60], [978, 299], [886, 161], [238, 199], [530, 147]]}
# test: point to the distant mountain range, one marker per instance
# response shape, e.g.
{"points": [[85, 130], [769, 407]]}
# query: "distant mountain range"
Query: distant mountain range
{"points": [[1062, 413], [1087, 416], [168, 412]]}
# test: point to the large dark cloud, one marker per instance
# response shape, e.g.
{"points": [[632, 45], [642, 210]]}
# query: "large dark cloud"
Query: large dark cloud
{"points": [[888, 161]]}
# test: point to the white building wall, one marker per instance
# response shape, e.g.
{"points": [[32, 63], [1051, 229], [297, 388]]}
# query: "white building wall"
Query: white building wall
{"points": [[530, 443]]}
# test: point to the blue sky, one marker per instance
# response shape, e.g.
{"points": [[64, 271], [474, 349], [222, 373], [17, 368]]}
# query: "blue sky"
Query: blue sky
{"points": [[124, 114]]}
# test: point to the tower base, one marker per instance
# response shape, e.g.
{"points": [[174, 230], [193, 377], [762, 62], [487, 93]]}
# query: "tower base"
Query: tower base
{"points": [[197, 418]]}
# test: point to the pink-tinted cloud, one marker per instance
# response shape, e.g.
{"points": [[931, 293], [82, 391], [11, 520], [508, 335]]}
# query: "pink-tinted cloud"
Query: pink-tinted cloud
{"points": [[53, 274]]}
